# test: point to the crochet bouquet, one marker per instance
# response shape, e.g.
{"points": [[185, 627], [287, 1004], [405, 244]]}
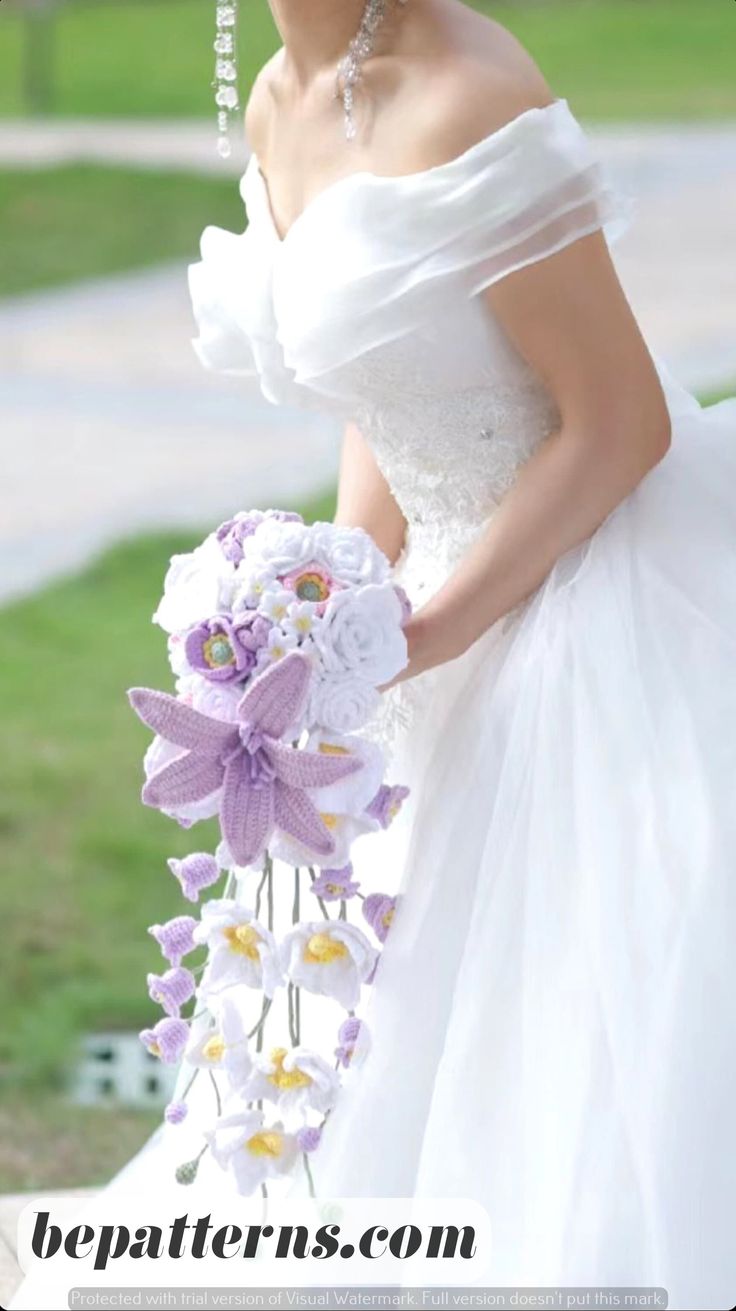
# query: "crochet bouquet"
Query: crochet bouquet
{"points": [[280, 635]]}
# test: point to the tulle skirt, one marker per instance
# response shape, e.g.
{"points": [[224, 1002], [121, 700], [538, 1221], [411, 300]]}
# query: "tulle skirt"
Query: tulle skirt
{"points": [[552, 1022], [553, 1019]]}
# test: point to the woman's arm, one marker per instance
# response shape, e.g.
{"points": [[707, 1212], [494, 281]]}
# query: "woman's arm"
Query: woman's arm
{"points": [[569, 317], [364, 499]]}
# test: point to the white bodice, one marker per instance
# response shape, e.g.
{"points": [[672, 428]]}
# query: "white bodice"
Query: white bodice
{"points": [[370, 308]]}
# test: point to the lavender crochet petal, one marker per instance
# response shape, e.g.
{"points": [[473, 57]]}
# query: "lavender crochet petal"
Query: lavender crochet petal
{"points": [[188, 778], [296, 815], [275, 700], [246, 813], [309, 769], [180, 724]]}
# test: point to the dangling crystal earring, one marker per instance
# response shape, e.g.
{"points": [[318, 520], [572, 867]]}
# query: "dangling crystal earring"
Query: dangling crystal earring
{"points": [[226, 72], [350, 68]]}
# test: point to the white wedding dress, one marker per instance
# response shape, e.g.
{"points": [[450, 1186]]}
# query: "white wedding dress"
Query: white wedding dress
{"points": [[553, 1019]]}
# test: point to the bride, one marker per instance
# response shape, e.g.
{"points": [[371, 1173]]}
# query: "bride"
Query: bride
{"points": [[553, 1022]]}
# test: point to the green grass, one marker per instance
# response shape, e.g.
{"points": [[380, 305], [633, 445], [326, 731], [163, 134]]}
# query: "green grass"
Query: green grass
{"points": [[46, 1143], [82, 861], [80, 221], [612, 58]]}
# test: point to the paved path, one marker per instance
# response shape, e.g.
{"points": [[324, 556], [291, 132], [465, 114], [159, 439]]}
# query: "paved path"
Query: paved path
{"points": [[110, 424]]}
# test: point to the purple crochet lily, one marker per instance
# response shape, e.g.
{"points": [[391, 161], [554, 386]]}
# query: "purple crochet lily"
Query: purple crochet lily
{"points": [[264, 781]]}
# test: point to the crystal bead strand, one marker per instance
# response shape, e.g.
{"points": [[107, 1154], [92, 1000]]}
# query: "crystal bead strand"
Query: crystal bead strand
{"points": [[350, 68], [226, 72]]}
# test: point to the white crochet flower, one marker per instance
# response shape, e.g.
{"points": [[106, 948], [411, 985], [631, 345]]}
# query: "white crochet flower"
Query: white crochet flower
{"points": [[301, 619], [220, 700], [350, 554], [241, 1141], [275, 603], [331, 958], [361, 632], [224, 1046], [296, 1079], [341, 700], [277, 547], [198, 585], [276, 646], [350, 795], [241, 950]]}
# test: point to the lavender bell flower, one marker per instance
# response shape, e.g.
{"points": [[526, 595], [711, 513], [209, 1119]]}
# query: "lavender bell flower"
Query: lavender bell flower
{"points": [[195, 872], [173, 989], [167, 1039], [175, 937], [335, 884], [264, 782], [347, 1036], [379, 910], [387, 803]]}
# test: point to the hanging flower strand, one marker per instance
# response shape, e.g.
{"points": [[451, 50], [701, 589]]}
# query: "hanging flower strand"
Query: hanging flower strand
{"points": [[279, 635]]}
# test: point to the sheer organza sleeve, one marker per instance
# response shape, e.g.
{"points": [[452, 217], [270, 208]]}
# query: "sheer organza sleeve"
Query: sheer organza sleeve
{"points": [[401, 248]]}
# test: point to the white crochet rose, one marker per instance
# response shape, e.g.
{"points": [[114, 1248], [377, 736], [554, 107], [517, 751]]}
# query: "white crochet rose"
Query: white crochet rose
{"points": [[361, 632], [277, 547], [198, 585], [341, 701], [350, 554]]}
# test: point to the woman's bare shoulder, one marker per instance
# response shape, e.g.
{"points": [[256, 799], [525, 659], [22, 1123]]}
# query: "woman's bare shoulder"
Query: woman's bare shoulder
{"points": [[478, 77]]}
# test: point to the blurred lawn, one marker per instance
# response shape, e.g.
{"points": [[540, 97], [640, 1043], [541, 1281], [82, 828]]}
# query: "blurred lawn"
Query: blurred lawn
{"points": [[83, 862], [612, 58], [82, 221]]}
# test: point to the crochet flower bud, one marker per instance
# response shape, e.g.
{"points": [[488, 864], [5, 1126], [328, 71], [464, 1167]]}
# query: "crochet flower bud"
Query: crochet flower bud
{"points": [[195, 873], [175, 937], [176, 1112], [308, 1138], [187, 1173]]}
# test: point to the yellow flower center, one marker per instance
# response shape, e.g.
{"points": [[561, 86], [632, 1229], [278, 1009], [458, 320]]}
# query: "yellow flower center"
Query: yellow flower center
{"points": [[214, 1048], [155, 1049], [387, 919], [330, 821], [266, 1143], [323, 949], [332, 749], [286, 1079], [243, 939]]}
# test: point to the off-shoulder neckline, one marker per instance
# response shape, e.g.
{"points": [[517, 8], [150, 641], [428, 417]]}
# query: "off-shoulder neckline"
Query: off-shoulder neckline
{"points": [[557, 106]]}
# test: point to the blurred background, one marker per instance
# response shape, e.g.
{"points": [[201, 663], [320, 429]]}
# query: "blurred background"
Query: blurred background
{"points": [[118, 449]]}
